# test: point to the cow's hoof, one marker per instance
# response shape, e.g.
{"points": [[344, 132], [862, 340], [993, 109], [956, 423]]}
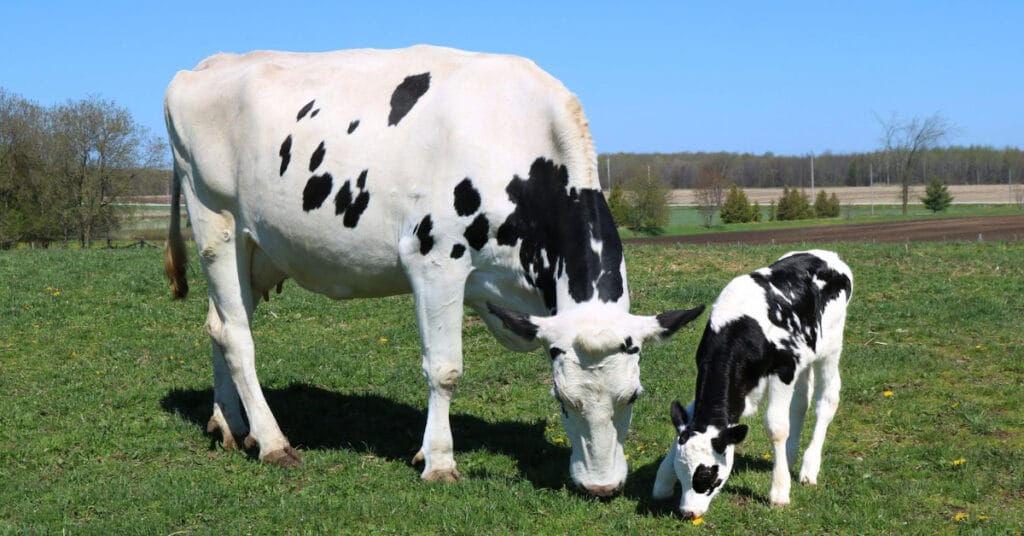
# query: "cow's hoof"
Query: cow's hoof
{"points": [[418, 458], [228, 440], [442, 475], [286, 457]]}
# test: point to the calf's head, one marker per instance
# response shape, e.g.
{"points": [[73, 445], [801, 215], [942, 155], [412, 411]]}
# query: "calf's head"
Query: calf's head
{"points": [[702, 458], [595, 362]]}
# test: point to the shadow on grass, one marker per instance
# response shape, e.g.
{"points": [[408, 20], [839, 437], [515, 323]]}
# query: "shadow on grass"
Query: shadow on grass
{"points": [[317, 419], [638, 487]]}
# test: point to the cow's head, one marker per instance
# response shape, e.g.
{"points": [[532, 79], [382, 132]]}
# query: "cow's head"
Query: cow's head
{"points": [[702, 460], [595, 361]]}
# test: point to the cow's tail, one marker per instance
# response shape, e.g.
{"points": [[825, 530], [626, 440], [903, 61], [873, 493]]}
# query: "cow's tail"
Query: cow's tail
{"points": [[175, 258]]}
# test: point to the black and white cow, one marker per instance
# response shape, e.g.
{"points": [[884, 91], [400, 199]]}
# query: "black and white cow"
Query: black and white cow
{"points": [[456, 176], [779, 328]]}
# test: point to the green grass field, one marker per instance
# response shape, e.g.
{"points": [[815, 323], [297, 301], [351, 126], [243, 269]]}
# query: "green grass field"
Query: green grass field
{"points": [[106, 389]]}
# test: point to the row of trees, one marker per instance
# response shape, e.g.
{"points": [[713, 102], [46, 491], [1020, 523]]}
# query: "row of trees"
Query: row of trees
{"points": [[62, 166]]}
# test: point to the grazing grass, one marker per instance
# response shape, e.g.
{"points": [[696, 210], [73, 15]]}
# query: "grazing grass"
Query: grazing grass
{"points": [[107, 388], [688, 219]]}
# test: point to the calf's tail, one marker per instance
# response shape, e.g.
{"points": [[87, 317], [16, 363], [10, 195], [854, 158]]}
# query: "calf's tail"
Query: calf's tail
{"points": [[175, 258]]}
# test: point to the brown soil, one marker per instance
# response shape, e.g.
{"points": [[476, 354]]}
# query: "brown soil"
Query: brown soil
{"points": [[985, 228]]}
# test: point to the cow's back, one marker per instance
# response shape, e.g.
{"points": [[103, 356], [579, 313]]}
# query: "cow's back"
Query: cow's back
{"points": [[328, 161]]}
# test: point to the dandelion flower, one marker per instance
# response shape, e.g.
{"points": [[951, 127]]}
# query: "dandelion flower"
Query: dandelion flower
{"points": [[697, 521], [887, 393], [382, 340], [559, 440], [767, 455], [960, 516], [959, 461]]}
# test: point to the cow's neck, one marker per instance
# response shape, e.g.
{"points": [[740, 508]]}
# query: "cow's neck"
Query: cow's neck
{"points": [[723, 384]]}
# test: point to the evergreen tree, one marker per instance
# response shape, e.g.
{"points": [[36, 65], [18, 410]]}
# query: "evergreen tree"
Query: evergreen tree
{"points": [[793, 205], [736, 208], [936, 196]]}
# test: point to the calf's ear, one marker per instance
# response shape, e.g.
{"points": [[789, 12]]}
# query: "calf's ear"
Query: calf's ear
{"points": [[729, 436], [679, 417], [514, 321]]}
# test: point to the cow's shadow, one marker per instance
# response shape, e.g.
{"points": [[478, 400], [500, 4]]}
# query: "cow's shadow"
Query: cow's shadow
{"points": [[317, 419], [638, 487]]}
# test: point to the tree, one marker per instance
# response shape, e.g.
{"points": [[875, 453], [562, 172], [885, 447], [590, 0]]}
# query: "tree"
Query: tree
{"points": [[618, 205], [905, 141], [648, 204], [709, 190], [737, 208], [793, 205], [936, 196], [826, 206]]}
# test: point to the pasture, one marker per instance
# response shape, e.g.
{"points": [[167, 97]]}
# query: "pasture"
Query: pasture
{"points": [[106, 390]]}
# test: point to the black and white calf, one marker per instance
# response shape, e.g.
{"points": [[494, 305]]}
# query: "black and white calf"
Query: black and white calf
{"points": [[461, 178], [779, 328]]}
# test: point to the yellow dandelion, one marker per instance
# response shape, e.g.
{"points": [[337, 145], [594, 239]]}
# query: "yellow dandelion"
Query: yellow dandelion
{"points": [[56, 293], [960, 516], [559, 440], [983, 518], [627, 457], [767, 455], [382, 340], [697, 521], [959, 461], [887, 393]]}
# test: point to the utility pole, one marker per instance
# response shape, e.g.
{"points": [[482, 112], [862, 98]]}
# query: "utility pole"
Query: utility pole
{"points": [[608, 170], [871, 186], [812, 174]]}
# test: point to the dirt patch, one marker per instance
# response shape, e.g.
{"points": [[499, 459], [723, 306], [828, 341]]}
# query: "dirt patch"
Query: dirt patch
{"points": [[983, 228]]}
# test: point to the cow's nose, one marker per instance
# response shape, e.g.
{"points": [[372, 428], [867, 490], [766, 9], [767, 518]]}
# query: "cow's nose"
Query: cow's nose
{"points": [[691, 514], [603, 491]]}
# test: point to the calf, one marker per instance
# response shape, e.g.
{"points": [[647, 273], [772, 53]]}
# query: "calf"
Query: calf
{"points": [[779, 328]]}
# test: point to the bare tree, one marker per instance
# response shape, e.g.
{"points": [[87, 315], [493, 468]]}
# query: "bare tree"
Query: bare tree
{"points": [[709, 191], [905, 142]]}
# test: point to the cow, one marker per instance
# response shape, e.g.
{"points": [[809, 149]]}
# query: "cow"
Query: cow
{"points": [[778, 329], [459, 177]]}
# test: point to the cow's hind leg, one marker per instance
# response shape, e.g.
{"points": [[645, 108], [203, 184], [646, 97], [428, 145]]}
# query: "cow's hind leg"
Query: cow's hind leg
{"points": [[226, 262], [776, 423], [438, 284], [826, 402], [798, 414]]}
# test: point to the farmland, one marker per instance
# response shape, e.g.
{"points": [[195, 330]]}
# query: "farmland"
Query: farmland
{"points": [[107, 389]]}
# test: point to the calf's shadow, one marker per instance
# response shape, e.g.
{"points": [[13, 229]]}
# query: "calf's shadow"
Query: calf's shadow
{"points": [[317, 419]]}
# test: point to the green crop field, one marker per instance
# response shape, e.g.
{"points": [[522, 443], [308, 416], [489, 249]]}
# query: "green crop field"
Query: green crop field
{"points": [[106, 389]]}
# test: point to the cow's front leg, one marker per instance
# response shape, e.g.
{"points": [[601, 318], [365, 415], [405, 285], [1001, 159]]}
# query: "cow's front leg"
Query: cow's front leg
{"points": [[776, 423], [438, 284]]}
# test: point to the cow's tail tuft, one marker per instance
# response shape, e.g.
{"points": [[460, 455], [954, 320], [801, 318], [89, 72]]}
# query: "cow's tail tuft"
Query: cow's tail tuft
{"points": [[175, 258]]}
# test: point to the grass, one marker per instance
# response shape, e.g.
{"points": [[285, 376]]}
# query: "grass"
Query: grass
{"points": [[107, 388], [688, 219]]}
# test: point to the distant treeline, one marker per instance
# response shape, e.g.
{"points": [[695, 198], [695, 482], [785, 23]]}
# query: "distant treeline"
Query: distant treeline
{"points": [[951, 165]]}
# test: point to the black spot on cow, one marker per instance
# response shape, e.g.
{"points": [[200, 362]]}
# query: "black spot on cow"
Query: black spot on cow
{"points": [[318, 187], [406, 95], [705, 479], [305, 110], [318, 157], [467, 199], [286, 153], [352, 208], [554, 352], [353, 126], [423, 233], [556, 228], [458, 250], [476, 233], [312, 115]]}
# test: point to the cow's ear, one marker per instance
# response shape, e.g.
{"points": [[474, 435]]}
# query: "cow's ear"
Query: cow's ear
{"points": [[729, 436], [516, 322], [666, 324], [679, 416]]}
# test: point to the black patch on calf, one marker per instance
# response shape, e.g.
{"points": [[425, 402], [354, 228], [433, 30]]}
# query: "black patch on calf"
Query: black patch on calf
{"points": [[355, 211], [673, 321], [467, 199], [352, 126], [556, 227], [555, 352], [305, 110], [318, 187], [285, 153], [343, 198], [476, 233], [318, 157], [458, 250], [628, 347], [406, 95], [423, 233], [361, 180], [705, 479]]}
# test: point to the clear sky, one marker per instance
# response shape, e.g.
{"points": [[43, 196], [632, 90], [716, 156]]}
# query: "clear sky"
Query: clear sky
{"points": [[653, 76]]}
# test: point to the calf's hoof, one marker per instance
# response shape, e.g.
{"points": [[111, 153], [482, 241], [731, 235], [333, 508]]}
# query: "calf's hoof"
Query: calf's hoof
{"points": [[442, 475], [217, 424], [286, 457]]}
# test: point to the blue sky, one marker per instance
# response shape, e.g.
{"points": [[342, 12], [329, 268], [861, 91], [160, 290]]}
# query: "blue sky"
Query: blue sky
{"points": [[653, 76]]}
